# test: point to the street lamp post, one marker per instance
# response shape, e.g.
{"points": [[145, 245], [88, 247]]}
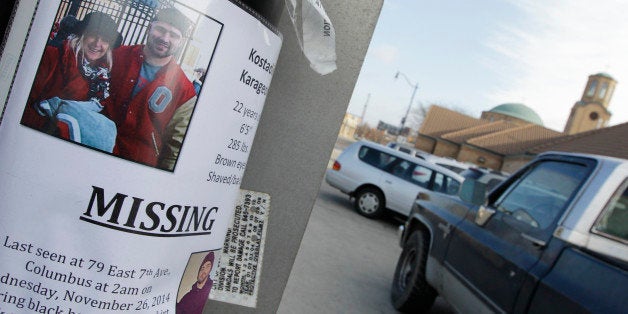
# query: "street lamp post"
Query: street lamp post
{"points": [[414, 88]]}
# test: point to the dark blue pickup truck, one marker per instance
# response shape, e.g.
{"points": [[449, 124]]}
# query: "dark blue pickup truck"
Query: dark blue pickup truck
{"points": [[552, 238]]}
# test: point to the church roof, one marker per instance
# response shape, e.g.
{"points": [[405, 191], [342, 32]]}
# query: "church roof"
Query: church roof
{"points": [[439, 121], [477, 131], [611, 141], [519, 111], [515, 140]]}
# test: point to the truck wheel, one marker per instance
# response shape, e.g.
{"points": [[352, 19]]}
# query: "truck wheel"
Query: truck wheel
{"points": [[369, 202], [410, 291]]}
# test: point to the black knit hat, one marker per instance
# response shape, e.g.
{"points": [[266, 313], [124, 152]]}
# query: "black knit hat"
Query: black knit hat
{"points": [[98, 23], [175, 18]]}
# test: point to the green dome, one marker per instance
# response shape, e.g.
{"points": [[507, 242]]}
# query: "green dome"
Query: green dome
{"points": [[519, 111]]}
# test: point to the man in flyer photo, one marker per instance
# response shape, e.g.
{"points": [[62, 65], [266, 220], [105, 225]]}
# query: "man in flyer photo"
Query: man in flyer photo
{"points": [[73, 83], [151, 98], [194, 300]]}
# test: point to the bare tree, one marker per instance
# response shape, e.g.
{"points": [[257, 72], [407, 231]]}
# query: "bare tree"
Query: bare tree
{"points": [[416, 116], [365, 131]]}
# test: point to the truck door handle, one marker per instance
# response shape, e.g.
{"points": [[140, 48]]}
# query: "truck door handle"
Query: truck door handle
{"points": [[389, 182], [536, 242], [446, 228]]}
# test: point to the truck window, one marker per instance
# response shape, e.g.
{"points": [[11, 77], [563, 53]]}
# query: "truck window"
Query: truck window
{"points": [[614, 219], [541, 194]]}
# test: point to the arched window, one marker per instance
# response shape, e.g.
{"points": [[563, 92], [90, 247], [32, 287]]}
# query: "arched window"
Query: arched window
{"points": [[603, 90], [592, 87], [609, 93]]}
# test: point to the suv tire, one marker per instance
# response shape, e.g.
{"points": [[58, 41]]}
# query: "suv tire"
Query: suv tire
{"points": [[410, 291], [369, 202]]}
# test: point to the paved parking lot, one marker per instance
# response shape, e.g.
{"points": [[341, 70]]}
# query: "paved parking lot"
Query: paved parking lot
{"points": [[345, 263]]}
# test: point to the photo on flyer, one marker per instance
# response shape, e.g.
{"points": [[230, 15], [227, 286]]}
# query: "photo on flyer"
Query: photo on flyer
{"points": [[105, 60], [196, 282]]}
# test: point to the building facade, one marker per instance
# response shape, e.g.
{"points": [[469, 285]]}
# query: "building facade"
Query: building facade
{"points": [[349, 125]]}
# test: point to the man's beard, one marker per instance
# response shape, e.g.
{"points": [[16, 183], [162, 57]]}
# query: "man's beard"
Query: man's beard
{"points": [[154, 45], [202, 281]]}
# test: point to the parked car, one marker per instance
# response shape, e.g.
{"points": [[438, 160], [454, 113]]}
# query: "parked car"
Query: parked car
{"points": [[445, 162], [449, 163], [408, 149], [552, 238], [487, 176], [379, 178]]}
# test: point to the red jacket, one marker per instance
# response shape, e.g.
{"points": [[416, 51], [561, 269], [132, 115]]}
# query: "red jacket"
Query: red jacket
{"points": [[142, 120], [58, 76]]}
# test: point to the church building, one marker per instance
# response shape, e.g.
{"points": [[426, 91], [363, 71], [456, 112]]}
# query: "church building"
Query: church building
{"points": [[509, 135]]}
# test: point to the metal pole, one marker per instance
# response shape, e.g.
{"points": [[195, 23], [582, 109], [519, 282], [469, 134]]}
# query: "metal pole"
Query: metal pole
{"points": [[403, 121], [364, 110], [415, 87]]}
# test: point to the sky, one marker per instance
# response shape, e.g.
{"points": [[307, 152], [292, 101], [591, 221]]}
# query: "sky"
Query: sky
{"points": [[472, 56]]}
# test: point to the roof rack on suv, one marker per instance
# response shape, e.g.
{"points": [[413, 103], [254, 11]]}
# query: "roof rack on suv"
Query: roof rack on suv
{"points": [[446, 162]]}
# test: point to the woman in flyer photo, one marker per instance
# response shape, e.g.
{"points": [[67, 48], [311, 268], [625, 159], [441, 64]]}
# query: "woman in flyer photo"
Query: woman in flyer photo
{"points": [[194, 300], [72, 85]]}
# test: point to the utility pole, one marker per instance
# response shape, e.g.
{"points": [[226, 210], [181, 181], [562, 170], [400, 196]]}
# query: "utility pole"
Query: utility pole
{"points": [[414, 88], [364, 109]]}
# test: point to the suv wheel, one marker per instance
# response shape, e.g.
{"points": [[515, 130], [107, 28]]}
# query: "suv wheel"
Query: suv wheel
{"points": [[369, 202], [410, 291]]}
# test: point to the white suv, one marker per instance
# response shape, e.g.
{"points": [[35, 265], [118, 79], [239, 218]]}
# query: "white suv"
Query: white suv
{"points": [[378, 177]]}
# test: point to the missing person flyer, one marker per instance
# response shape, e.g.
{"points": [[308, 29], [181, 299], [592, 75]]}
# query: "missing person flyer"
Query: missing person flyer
{"points": [[123, 141]]}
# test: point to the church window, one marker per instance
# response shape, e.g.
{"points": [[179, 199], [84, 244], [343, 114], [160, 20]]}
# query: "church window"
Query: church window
{"points": [[603, 89], [594, 115], [609, 93], [592, 87]]}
